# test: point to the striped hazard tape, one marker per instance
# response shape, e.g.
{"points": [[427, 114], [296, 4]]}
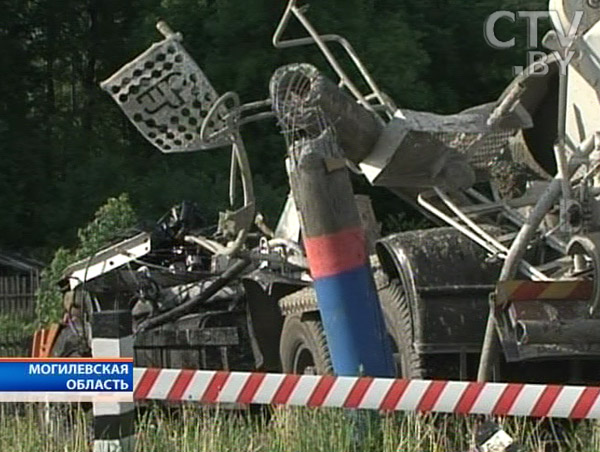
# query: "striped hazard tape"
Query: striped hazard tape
{"points": [[508, 291], [502, 399]]}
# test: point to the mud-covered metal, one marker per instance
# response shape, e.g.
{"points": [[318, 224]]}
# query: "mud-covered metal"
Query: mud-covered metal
{"points": [[306, 103], [446, 279]]}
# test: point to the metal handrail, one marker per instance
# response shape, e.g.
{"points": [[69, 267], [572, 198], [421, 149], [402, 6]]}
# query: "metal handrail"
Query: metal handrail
{"points": [[320, 41]]}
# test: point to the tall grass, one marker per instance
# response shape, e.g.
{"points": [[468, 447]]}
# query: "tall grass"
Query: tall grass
{"points": [[31, 428]]}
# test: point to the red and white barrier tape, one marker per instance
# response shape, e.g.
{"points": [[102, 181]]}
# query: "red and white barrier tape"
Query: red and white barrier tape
{"points": [[510, 399]]}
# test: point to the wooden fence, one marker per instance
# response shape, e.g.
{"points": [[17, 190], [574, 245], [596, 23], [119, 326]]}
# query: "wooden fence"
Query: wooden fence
{"points": [[17, 305], [17, 295]]}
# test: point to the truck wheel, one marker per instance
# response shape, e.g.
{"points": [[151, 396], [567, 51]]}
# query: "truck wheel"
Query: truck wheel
{"points": [[398, 321], [303, 346]]}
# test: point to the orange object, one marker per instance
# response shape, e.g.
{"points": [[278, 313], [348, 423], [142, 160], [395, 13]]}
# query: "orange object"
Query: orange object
{"points": [[43, 341]]}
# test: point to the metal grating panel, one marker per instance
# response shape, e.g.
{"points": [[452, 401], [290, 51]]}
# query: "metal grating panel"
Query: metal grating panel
{"points": [[482, 151], [167, 97]]}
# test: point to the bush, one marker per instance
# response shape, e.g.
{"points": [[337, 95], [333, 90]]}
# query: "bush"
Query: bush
{"points": [[12, 328], [110, 221]]}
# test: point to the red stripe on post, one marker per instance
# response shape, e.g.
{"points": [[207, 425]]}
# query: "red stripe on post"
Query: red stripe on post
{"points": [[321, 391], [585, 402], [468, 398], [395, 392], [181, 384], [214, 387], [431, 396], [357, 393], [285, 389], [249, 390], [332, 254], [507, 399], [145, 384], [546, 401]]}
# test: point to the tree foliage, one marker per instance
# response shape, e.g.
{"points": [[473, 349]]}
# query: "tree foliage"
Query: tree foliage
{"points": [[111, 221]]}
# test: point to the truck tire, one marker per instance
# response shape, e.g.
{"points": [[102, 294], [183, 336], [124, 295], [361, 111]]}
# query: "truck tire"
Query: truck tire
{"points": [[398, 322], [303, 346]]}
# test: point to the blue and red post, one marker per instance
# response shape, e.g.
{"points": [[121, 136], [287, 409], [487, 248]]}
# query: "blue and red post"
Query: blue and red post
{"points": [[336, 248]]}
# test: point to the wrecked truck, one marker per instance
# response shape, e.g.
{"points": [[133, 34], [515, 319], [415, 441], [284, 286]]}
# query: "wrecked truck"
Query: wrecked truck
{"points": [[504, 287]]}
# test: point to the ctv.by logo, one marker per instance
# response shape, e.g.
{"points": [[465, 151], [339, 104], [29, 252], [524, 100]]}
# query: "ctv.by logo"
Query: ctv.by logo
{"points": [[535, 58]]}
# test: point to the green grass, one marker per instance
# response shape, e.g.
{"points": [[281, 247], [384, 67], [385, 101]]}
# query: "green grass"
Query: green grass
{"points": [[281, 430]]}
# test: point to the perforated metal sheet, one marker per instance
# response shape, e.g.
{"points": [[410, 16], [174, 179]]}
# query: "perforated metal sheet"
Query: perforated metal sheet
{"points": [[167, 97]]}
